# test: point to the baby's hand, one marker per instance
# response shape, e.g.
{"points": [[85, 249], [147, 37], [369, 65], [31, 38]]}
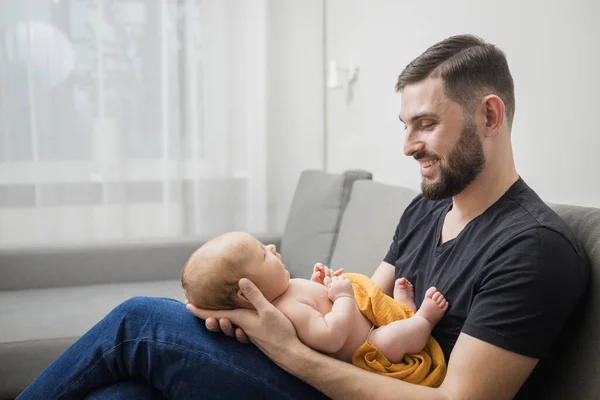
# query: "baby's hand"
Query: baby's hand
{"points": [[320, 272], [338, 287]]}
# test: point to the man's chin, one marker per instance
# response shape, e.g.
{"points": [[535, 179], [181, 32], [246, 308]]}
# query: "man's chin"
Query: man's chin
{"points": [[432, 191], [429, 183]]}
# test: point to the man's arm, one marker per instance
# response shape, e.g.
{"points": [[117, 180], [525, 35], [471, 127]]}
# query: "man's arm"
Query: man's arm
{"points": [[476, 370], [384, 277]]}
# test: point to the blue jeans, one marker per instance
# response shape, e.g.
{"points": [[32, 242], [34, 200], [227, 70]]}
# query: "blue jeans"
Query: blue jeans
{"points": [[153, 348]]}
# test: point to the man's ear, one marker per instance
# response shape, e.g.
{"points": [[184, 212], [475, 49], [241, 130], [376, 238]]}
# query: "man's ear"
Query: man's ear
{"points": [[493, 109]]}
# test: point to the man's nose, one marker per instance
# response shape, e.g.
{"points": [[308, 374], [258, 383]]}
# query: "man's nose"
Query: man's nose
{"points": [[412, 143], [272, 248]]}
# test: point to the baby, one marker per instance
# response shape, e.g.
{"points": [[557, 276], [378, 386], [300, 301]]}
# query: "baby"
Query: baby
{"points": [[322, 310]]}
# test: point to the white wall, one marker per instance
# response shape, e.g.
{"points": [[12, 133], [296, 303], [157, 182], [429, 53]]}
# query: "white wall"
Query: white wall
{"points": [[294, 99], [553, 49]]}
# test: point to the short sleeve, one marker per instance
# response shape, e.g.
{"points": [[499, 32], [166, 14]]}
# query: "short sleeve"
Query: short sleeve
{"points": [[526, 291], [393, 253]]}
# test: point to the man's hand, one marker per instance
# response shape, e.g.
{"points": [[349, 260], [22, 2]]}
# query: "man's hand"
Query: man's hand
{"points": [[223, 325], [338, 287], [266, 327], [320, 272]]}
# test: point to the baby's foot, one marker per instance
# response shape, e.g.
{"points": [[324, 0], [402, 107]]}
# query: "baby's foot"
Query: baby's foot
{"points": [[405, 292], [434, 306]]}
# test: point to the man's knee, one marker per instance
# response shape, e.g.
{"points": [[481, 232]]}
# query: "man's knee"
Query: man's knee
{"points": [[139, 306], [136, 303]]}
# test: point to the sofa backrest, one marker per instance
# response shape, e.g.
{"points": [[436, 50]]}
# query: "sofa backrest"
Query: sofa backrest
{"points": [[34, 267], [368, 225], [575, 373], [314, 219]]}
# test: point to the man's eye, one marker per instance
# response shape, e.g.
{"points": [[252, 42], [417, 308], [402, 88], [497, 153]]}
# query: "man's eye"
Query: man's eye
{"points": [[426, 125]]}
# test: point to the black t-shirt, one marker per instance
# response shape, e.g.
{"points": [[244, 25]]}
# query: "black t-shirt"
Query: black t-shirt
{"points": [[512, 276]]}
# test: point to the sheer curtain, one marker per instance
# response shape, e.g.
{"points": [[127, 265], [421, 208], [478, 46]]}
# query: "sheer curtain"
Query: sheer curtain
{"points": [[131, 119]]}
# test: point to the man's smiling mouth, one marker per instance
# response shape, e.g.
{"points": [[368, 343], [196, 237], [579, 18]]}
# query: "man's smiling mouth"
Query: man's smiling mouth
{"points": [[429, 163]]}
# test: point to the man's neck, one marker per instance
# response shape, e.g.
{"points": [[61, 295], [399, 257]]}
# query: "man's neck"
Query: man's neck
{"points": [[484, 191]]}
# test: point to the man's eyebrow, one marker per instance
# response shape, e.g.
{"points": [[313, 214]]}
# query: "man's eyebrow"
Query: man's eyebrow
{"points": [[419, 116]]}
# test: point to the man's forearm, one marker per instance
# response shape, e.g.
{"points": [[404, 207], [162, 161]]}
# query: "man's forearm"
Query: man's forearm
{"points": [[340, 380]]}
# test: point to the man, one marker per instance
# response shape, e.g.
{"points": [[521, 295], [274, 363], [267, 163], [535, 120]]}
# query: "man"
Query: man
{"points": [[509, 267]]}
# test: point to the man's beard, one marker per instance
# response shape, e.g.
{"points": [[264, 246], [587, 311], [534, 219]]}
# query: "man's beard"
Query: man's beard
{"points": [[465, 162]]}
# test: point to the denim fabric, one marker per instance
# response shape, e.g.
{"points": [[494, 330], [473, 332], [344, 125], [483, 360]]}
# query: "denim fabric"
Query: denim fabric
{"points": [[126, 390], [160, 345]]}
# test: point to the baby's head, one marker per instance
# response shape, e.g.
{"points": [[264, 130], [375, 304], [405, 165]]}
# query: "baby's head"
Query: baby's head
{"points": [[211, 275]]}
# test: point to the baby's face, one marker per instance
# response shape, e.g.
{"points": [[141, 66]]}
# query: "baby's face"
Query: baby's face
{"points": [[264, 268]]}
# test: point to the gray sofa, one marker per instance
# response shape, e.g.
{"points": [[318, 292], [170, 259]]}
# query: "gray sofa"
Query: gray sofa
{"points": [[50, 296]]}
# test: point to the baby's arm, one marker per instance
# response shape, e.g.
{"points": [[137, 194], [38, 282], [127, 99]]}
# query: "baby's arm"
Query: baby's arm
{"points": [[326, 333]]}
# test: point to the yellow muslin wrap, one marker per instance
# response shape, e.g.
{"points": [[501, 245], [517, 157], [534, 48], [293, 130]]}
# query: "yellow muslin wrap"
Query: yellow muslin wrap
{"points": [[426, 368]]}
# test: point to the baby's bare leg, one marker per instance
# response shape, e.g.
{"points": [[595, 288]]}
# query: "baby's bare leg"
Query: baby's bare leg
{"points": [[409, 336], [405, 292]]}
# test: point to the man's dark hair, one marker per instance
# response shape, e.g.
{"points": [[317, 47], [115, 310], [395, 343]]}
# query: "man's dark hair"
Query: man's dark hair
{"points": [[470, 69]]}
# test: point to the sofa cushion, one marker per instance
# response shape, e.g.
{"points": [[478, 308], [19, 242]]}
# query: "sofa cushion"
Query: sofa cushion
{"points": [[314, 218], [368, 225], [576, 370], [40, 324]]}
